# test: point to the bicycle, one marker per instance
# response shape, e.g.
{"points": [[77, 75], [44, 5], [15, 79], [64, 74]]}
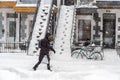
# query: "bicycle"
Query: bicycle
{"points": [[89, 52]]}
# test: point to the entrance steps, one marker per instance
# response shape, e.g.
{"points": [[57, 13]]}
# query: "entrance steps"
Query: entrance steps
{"points": [[40, 26], [63, 33]]}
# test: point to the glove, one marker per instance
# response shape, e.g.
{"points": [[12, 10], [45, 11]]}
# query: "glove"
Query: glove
{"points": [[54, 51]]}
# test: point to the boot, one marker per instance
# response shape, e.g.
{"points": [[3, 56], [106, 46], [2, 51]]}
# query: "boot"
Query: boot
{"points": [[34, 68], [48, 67]]}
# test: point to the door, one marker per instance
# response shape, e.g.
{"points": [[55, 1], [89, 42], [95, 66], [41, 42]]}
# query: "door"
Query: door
{"points": [[109, 22], [11, 30]]}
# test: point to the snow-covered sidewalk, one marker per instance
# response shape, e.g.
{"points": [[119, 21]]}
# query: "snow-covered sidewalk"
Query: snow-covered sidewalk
{"points": [[16, 66]]}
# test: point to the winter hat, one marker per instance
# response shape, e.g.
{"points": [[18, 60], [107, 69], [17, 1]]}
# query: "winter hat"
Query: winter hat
{"points": [[47, 35]]}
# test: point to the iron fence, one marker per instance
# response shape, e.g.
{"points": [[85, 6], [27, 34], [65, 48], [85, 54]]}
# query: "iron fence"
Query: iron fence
{"points": [[13, 47]]}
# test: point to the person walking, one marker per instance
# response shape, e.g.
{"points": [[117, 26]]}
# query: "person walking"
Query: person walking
{"points": [[44, 44]]}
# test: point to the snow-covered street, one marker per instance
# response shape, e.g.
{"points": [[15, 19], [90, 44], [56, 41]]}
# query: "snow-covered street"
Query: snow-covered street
{"points": [[16, 66]]}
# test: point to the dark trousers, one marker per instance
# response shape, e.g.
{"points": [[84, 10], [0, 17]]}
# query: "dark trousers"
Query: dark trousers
{"points": [[41, 56]]}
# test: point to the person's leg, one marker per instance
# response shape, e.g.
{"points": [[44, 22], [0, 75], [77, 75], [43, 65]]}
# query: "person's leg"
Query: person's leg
{"points": [[48, 65], [40, 59]]}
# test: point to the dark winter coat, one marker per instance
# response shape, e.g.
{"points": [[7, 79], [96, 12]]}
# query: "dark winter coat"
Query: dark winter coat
{"points": [[45, 46]]}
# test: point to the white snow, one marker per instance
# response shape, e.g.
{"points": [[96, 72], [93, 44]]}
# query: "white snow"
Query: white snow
{"points": [[64, 28], [18, 66]]}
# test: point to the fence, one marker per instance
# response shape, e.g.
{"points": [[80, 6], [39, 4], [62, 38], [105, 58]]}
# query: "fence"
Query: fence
{"points": [[13, 47]]}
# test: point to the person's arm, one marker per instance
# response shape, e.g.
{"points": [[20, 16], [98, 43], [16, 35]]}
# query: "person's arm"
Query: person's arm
{"points": [[50, 47]]}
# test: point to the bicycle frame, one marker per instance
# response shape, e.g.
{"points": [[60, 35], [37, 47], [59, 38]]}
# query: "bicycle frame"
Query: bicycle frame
{"points": [[88, 52]]}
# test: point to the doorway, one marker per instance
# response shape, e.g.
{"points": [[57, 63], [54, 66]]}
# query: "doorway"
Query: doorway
{"points": [[109, 23]]}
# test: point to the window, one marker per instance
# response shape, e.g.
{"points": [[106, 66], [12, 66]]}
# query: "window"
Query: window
{"points": [[118, 28], [12, 29], [69, 2], [118, 36], [12, 15], [84, 30], [23, 26], [29, 1], [118, 19], [86, 1]]}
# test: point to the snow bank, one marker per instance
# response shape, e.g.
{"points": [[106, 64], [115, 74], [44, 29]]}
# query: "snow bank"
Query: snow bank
{"points": [[18, 66], [102, 75]]}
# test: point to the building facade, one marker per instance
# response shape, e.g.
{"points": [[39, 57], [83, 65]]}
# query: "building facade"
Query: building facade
{"points": [[98, 21], [16, 18]]}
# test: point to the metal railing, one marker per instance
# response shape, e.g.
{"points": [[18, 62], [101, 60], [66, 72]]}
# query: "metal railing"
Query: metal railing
{"points": [[57, 20], [13, 47], [50, 24], [73, 26], [50, 16]]}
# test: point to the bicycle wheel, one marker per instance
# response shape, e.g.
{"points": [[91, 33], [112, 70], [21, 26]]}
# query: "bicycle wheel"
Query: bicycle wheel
{"points": [[96, 56], [76, 54]]}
